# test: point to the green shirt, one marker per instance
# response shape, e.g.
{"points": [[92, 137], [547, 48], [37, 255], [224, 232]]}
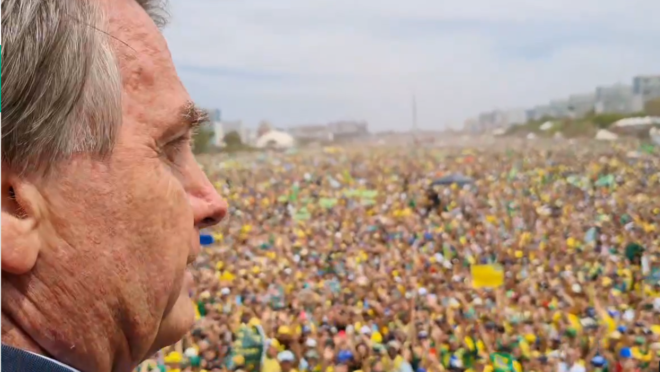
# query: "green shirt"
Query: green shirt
{"points": [[502, 362], [634, 252]]}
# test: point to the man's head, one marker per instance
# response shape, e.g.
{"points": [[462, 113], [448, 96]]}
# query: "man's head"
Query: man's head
{"points": [[286, 360], [273, 348], [100, 189]]}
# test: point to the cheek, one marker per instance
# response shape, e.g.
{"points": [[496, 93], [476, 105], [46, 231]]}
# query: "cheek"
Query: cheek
{"points": [[154, 224], [166, 221]]}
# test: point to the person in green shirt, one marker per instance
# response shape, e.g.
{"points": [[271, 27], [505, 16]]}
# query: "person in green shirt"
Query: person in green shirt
{"points": [[470, 355], [634, 253], [502, 360]]}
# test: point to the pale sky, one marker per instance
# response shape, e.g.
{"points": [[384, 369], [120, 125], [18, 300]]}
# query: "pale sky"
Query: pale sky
{"points": [[297, 62]]}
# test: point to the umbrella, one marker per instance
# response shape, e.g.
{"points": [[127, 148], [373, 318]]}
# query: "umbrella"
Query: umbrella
{"points": [[453, 179]]}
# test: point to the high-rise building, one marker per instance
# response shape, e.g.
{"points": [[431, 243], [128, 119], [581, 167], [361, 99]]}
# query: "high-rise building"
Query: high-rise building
{"points": [[215, 115], [489, 120], [560, 108], [581, 104], [513, 117], [648, 86], [617, 98], [312, 132], [540, 112], [471, 125], [348, 129]]}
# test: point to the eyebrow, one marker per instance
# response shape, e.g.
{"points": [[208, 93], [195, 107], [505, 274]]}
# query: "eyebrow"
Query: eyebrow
{"points": [[193, 115], [188, 117]]}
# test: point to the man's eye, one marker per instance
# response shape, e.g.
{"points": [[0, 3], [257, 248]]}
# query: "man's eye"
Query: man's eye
{"points": [[174, 148]]}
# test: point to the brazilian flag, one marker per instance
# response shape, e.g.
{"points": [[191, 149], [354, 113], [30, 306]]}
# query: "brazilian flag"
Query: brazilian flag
{"points": [[249, 343]]}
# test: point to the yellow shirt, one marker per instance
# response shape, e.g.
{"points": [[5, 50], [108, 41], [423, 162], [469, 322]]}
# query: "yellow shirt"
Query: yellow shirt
{"points": [[270, 365], [639, 355], [397, 362], [392, 364]]}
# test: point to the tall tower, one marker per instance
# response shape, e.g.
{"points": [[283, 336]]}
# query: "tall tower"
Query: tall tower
{"points": [[414, 116]]}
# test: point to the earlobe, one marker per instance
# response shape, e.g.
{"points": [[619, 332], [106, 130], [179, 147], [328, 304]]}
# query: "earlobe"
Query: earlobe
{"points": [[20, 244], [21, 241]]}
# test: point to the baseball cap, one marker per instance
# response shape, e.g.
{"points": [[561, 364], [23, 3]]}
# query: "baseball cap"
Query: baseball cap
{"points": [[286, 356], [344, 356]]}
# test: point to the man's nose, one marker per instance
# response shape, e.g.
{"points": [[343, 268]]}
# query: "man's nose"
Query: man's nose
{"points": [[209, 207]]}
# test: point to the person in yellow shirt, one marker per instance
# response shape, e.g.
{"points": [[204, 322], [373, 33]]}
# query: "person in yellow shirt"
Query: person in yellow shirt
{"points": [[641, 352], [270, 362], [287, 361], [393, 360]]}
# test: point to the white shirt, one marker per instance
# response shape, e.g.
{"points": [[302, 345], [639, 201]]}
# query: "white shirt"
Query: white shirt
{"points": [[563, 367]]}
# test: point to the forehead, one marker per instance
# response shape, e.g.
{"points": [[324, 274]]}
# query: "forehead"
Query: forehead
{"points": [[152, 93]]}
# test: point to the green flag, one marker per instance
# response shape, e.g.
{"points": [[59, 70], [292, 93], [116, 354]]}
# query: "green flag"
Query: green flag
{"points": [[294, 193], [249, 343], [647, 148], [502, 362], [607, 180]]}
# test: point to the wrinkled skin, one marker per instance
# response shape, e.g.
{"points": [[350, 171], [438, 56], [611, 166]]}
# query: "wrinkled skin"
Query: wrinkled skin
{"points": [[94, 255]]}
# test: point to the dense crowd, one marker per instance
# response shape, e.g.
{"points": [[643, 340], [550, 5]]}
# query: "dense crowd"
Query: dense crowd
{"points": [[348, 260]]}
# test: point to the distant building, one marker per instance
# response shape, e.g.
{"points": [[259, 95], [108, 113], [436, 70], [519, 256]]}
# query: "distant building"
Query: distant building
{"points": [[471, 126], [218, 134], [491, 120], [560, 108], [497, 119], [513, 117], [312, 133], [222, 128], [484, 121], [581, 104], [647, 86], [330, 132], [214, 115], [540, 112], [617, 98], [348, 129], [215, 125]]}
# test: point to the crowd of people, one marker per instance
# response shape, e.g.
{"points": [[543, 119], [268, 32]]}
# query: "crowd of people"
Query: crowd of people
{"points": [[347, 260]]}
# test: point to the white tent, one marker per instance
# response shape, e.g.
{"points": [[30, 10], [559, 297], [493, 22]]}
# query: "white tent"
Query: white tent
{"points": [[638, 122], [275, 139], [606, 135], [547, 126], [499, 132]]}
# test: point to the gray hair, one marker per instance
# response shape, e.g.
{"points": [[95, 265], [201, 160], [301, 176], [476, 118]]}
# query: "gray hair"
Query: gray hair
{"points": [[157, 10], [61, 87]]}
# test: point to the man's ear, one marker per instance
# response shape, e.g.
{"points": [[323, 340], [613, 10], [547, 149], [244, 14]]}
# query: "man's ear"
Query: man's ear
{"points": [[21, 217]]}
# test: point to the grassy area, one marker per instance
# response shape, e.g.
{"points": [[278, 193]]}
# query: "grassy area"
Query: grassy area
{"points": [[236, 148]]}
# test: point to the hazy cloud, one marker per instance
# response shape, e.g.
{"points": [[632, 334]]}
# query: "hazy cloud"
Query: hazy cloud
{"points": [[301, 61]]}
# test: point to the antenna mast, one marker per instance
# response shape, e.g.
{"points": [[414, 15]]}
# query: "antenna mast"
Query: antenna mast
{"points": [[414, 115]]}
